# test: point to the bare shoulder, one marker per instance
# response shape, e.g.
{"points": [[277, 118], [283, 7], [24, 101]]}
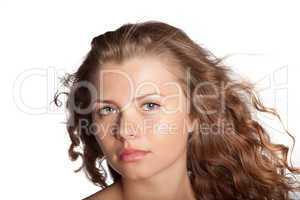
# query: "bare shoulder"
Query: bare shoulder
{"points": [[110, 193]]}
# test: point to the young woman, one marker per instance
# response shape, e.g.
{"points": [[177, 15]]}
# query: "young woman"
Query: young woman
{"points": [[170, 122]]}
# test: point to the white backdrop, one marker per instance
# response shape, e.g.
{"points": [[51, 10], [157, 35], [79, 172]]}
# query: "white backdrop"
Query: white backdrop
{"points": [[40, 40]]}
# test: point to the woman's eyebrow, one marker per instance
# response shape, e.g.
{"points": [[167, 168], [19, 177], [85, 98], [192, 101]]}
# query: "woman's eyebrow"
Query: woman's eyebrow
{"points": [[149, 94], [136, 98]]}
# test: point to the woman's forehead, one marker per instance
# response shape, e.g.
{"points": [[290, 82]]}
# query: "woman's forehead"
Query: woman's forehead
{"points": [[137, 75]]}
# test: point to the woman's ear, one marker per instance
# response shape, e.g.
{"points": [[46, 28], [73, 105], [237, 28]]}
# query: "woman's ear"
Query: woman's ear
{"points": [[190, 124], [190, 128]]}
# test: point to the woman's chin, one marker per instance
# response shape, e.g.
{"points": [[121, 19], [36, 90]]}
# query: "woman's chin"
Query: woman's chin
{"points": [[135, 174]]}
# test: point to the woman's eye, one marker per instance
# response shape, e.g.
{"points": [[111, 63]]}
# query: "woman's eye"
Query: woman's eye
{"points": [[150, 106], [106, 110]]}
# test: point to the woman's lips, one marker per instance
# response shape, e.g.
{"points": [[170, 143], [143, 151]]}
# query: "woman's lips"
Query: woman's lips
{"points": [[131, 155]]}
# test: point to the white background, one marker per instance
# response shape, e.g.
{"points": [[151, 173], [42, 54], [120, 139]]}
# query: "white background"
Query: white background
{"points": [[39, 40]]}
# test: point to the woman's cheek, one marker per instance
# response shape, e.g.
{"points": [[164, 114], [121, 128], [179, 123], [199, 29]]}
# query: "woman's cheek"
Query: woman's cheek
{"points": [[173, 133]]}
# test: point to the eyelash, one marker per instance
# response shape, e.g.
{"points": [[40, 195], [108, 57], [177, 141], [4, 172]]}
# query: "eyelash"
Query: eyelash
{"points": [[155, 104], [152, 103], [103, 109]]}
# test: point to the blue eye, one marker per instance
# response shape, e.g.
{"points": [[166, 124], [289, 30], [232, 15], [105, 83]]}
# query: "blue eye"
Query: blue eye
{"points": [[151, 106], [105, 110]]}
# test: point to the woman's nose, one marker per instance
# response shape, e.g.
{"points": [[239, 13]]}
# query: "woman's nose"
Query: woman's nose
{"points": [[128, 121]]}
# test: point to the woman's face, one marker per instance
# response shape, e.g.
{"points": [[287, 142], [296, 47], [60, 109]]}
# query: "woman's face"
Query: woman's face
{"points": [[157, 121]]}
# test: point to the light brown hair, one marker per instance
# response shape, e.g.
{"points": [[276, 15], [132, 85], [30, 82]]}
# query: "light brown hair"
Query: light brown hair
{"points": [[241, 163]]}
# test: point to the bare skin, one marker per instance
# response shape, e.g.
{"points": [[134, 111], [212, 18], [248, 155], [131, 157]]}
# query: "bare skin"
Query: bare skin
{"points": [[162, 174]]}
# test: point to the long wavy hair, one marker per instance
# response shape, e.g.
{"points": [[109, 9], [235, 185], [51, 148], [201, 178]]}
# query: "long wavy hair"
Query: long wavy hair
{"points": [[240, 163]]}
